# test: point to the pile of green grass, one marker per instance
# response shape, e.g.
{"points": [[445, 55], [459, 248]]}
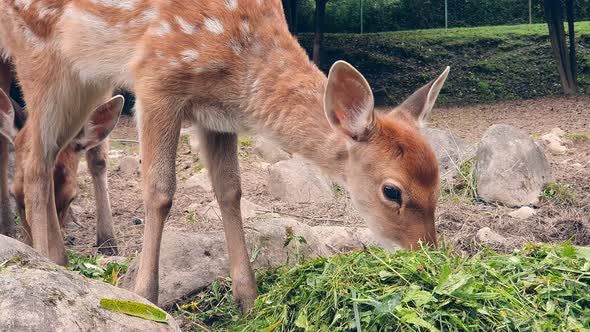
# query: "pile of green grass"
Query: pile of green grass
{"points": [[537, 288], [488, 64]]}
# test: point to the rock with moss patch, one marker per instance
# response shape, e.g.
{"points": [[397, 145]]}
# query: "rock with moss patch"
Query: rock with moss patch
{"points": [[37, 295], [511, 169]]}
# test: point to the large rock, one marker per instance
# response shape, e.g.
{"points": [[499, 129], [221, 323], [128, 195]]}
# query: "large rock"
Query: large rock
{"points": [[511, 169], [298, 181], [451, 151], [188, 263], [191, 262], [36, 295], [269, 151]]}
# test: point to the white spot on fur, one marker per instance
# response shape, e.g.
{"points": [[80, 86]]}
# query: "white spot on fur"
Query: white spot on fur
{"points": [[259, 2], [189, 55], [159, 54], [163, 29], [120, 4], [186, 27], [214, 25], [23, 4], [235, 46], [231, 4], [32, 38], [46, 11], [145, 17], [245, 27], [86, 19]]}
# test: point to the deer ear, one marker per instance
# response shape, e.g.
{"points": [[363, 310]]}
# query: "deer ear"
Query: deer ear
{"points": [[420, 103], [348, 101], [102, 121], [7, 128]]}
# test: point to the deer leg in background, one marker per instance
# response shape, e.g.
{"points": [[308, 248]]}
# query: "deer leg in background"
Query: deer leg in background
{"points": [[97, 165]]}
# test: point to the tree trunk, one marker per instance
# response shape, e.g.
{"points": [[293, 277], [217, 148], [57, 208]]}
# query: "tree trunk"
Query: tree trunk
{"points": [[554, 16], [320, 11], [569, 10]]}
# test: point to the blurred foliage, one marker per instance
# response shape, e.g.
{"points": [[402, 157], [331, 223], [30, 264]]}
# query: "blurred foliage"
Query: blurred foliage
{"points": [[394, 15]]}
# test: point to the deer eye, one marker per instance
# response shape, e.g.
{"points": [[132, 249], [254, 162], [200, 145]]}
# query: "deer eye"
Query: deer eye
{"points": [[393, 194]]}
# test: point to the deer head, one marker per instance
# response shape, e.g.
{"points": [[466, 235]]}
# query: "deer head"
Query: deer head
{"points": [[102, 121], [391, 171]]}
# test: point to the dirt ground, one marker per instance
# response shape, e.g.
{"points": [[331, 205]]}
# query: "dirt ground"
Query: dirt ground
{"points": [[457, 221]]}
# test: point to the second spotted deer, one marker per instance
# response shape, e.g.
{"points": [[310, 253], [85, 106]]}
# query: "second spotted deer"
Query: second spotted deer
{"points": [[90, 142]]}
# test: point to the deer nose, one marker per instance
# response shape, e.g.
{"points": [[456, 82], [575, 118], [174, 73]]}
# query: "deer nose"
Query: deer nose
{"points": [[425, 235]]}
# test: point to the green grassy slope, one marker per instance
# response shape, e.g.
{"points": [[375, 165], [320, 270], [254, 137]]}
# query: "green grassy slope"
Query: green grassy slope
{"points": [[487, 63]]}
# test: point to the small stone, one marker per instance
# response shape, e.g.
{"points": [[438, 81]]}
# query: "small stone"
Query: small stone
{"points": [[137, 221], [523, 213], [71, 240], [554, 144], [557, 132], [186, 165], [488, 236], [129, 166]]}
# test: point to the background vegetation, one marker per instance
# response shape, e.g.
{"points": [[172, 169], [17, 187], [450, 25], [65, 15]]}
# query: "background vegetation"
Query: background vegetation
{"points": [[393, 15], [487, 63]]}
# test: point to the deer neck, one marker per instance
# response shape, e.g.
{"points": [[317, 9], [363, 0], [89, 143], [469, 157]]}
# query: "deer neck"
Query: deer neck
{"points": [[286, 99]]}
